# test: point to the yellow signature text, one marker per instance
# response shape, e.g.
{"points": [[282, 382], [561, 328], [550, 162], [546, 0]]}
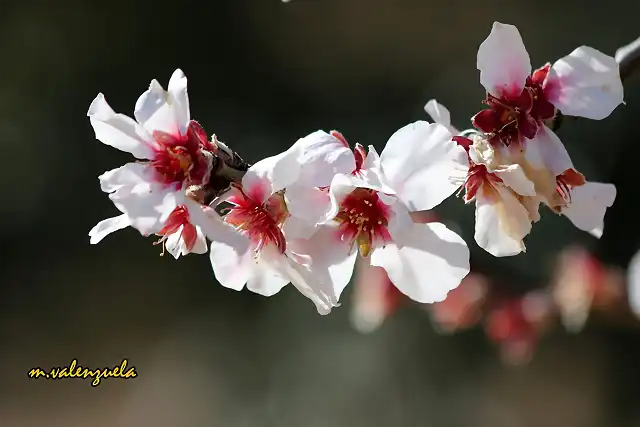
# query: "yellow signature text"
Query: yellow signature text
{"points": [[76, 371]]}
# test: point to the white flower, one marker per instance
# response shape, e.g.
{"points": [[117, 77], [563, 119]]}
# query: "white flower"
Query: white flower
{"points": [[509, 184], [174, 150], [259, 254], [370, 210], [585, 83], [633, 284]]}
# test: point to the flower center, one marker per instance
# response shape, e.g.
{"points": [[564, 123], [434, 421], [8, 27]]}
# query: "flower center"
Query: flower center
{"points": [[178, 218], [363, 218], [182, 159], [261, 223]]}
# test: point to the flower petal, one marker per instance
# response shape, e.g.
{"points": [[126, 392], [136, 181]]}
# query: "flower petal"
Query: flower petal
{"points": [[373, 174], [432, 261], [201, 243], [322, 156], [130, 174], [272, 174], [633, 284], [514, 177], [502, 221], [546, 150], [118, 130], [331, 261], [585, 83], [266, 280], [108, 226], [503, 61], [441, 115], [175, 244], [154, 111], [180, 100], [341, 186], [419, 161], [589, 203], [147, 205], [309, 205], [232, 261]]}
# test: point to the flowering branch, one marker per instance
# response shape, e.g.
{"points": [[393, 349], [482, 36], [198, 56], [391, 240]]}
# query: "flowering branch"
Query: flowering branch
{"points": [[228, 167]]}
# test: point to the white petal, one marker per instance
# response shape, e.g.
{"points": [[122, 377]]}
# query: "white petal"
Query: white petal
{"points": [[175, 244], [589, 203], [201, 243], [118, 130], [208, 223], [503, 61], [271, 175], [546, 150], [400, 223], [440, 114], [296, 228], [633, 286], [108, 226], [154, 112], [501, 221], [322, 156], [180, 100], [309, 205], [331, 260], [147, 205], [266, 280], [585, 83], [432, 262], [231, 256], [130, 174], [513, 176], [373, 174], [419, 161]]}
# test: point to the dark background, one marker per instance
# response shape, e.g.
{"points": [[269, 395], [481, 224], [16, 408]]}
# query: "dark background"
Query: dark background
{"points": [[261, 74]]}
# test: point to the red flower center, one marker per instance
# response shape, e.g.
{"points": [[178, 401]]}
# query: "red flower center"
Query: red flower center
{"points": [[364, 218], [181, 159], [260, 222], [179, 218], [510, 118]]}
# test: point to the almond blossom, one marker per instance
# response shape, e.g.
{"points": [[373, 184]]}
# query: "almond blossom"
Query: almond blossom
{"points": [[174, 153], [585, 83], [507, 189], [368, 211], [259, 254]]}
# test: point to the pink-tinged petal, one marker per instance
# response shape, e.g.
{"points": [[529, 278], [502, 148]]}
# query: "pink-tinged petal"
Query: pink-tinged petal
{"points": [[331, 261], [585, 83], [503, 61], [322, 156], [441, 115], [432, 261], [296, 228], [180, 100], [271, 175], [633, 284], [154, 111], [419, 161], [514, 177], [546, 150], [488, 121], [130, 174], [232, 260], [310, 205], [108, 226], [589, 203], [118, 130], [502, 222]]}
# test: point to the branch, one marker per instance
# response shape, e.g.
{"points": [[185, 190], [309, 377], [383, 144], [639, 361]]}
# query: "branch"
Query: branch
{"points": [[628, 58], [228, 168]]}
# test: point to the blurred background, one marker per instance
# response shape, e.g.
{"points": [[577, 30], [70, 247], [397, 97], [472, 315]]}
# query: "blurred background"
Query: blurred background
{"points": [[263, 73]]}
